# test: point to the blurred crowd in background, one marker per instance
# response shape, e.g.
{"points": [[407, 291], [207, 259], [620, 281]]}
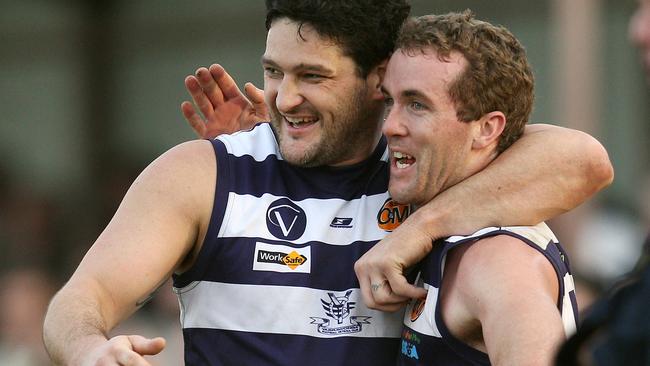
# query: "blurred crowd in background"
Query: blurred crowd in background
{"points": [[90, 93]]}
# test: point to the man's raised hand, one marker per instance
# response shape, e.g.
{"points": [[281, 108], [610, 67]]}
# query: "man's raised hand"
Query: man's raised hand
{"points": [[224, 108]]}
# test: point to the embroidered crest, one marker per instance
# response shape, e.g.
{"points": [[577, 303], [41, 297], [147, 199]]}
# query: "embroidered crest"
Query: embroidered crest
{"points": [[339, 308]]}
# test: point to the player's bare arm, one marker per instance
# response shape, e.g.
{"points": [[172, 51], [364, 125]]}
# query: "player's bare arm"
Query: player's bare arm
{"points": [[548, 171], [500, 296], [156, 230]]}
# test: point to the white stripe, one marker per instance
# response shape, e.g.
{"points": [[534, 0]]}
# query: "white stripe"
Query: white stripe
{"points": [[539, 234], [274, 309], [386, 155], [246, 217], [455, 238], [568, 317], [258, 143]]}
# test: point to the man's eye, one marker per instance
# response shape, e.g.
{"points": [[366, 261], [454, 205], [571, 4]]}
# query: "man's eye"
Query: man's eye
{"points": [[388, 102], [312, 76], [417, 106], [271, 71]]}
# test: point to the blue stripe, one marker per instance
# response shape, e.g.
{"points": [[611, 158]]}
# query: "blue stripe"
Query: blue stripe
{"points": [[280, 178], [232, 262], [216, 348], [220, 200]]}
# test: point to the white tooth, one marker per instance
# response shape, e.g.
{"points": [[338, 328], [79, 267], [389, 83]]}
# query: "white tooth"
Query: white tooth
{"points": [[398, 155], [401, 165], [300, 120]]}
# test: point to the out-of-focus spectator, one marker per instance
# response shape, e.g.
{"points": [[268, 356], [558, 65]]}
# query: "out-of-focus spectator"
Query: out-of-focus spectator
{"points": [[24, 296], [617, 329]]}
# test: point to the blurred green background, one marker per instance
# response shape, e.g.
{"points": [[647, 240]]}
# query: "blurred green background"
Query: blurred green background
{"points": [[90, 94]]}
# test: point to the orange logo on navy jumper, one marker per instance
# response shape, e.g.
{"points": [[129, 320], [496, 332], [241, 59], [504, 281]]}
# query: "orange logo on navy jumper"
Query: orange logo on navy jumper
{"points": [[417, 308], [392, 214]]}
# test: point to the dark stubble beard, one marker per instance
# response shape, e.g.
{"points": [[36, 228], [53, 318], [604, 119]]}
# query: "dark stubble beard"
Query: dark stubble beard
{"points": [[353, 129]]}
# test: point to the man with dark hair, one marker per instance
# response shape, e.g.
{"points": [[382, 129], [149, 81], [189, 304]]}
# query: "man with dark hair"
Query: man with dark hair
{"points": [[263, 259], [459, 92]]}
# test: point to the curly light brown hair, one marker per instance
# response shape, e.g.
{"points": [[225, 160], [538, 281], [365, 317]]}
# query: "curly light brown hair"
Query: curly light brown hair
{"points": [[498, 76]]}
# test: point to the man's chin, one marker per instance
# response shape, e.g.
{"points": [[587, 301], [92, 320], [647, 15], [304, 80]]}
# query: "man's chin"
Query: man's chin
{"points": [[299, 155], [398, 195]]}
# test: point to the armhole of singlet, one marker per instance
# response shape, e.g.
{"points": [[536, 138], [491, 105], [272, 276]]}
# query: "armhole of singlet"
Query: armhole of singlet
{"points": [[220, 201]]}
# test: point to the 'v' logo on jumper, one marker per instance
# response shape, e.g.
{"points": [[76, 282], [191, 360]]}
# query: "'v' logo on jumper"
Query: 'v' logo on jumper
{"points": [[280, 220], [286, 220]]}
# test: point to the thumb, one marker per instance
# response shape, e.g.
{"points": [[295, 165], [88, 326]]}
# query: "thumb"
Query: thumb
{"points": [[254, 94], [256, 97], [146, 346], [401, 287]]}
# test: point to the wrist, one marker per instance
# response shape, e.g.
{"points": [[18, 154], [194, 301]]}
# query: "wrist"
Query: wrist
{"points": [[430, 220], [83, 348], [414, 232]]}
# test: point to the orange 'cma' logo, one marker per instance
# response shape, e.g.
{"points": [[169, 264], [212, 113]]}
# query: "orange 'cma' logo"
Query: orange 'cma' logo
{"points": [[392, 214]]}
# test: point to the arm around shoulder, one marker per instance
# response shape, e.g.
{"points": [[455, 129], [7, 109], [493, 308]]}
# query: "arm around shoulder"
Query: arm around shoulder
{"points": [[548, 171], [161, 220], [577, 156]]}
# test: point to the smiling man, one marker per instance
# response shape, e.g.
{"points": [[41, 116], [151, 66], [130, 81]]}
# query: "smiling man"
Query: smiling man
{"points": [[459, 92], [261, 229], [309, 98], [263, 258]]}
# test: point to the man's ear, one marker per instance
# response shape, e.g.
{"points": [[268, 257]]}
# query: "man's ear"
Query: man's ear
{"points": [[491, 126], [376, 78]]}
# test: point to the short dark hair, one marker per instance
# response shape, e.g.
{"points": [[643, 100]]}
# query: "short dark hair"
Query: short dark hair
{"points": [[497, 77], [364, 29]]}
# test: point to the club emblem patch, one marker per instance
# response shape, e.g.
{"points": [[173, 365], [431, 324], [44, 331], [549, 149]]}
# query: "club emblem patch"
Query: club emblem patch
{"points": [[285, 220], [338, 310]]}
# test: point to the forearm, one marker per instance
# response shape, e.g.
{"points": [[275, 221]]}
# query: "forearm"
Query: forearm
{"points": [[73, 323], [549, 171]]}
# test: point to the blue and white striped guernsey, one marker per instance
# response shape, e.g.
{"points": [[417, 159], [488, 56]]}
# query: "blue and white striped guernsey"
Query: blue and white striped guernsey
{"points": [[425, 337], [274, 282]]}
